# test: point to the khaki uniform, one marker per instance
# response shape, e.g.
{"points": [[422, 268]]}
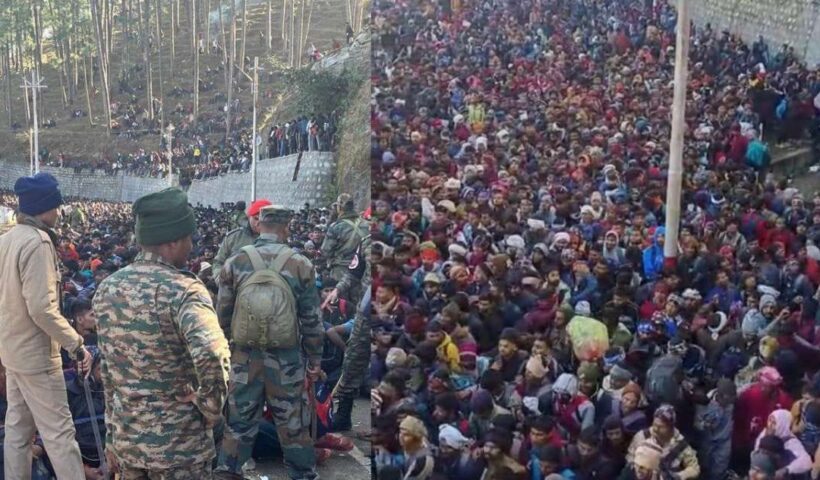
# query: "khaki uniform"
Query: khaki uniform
{"points": [[33, 332]]}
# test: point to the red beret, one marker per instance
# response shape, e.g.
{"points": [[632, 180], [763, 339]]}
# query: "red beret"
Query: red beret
{"points": [[253, 210]]}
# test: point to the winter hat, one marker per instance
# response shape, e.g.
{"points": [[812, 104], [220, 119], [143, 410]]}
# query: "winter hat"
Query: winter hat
{"points": [[566, 383], [767, 300], [769, 376], [633, 388], [396, 357], [620, 373], [163, 217], [413, 426], [752, 323], [583, 308], [481, 401], [647, 457], [38, 194], [666, 413], [515, 241], [449, 436], [589, 371]]}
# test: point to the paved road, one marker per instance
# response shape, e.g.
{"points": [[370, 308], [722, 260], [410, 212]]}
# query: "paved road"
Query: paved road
{"points": [[341, 466]]}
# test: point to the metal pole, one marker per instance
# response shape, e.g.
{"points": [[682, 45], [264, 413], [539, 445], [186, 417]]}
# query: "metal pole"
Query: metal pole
{"points": [[253, 138], [170, 158], [675, 174], [35, 83]]}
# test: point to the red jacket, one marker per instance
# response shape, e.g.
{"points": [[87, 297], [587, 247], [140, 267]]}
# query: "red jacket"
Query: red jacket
{"points": [[752, 411]]}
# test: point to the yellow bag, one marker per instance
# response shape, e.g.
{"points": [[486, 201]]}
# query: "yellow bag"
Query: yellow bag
{"points": [[589, 337]]}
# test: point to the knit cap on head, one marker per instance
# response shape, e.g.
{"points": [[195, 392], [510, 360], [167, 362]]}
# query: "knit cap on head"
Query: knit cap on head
{"points": [[37, 194], [163, 217], [396, 357]]}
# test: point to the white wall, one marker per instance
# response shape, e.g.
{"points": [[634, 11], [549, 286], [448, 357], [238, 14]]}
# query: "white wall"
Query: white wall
{"points": [[795, 22], [274, 177], [314, 183]]}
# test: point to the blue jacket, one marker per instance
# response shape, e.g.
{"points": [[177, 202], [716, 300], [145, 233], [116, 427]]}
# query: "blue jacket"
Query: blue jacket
{"points": [[653, 256]]}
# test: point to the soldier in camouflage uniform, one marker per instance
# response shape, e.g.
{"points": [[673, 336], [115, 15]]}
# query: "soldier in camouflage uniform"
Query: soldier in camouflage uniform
{"points": [[238, 217], [274, 375], [165, 359], [357, 355], [238, 238], [342, 240]]}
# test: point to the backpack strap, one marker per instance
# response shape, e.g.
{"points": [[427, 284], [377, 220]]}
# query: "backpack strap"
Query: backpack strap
{"points": [[282, 258], [256, 259]]}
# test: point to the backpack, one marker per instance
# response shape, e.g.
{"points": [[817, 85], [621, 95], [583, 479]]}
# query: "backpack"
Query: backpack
{"points": [[662, 380], [264, 315]]}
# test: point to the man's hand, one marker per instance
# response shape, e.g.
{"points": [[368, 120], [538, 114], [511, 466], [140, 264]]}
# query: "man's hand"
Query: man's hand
{"points": [[331, 297], [37, 451], [84, 360], [92, 473], [112, 462]]}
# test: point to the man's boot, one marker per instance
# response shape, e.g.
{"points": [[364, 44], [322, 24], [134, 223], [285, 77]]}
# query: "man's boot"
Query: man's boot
{"points": [[341, 419]]}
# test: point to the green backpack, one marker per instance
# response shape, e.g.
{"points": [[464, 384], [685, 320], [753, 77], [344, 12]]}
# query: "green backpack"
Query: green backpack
{"points": [[264, 314]]}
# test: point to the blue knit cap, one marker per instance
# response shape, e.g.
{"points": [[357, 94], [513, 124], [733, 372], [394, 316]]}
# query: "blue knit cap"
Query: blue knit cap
{"points": [[38, 194]]}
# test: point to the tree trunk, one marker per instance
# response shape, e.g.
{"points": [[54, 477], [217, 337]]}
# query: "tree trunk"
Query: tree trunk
{"points": [[244, 33], [270, 27], [208, 25], [224, 43], [103, 72], [149, 71], [307, 27], [157, 11], [174, 24], [8, 83], [301, 32], [196, 60], [230, 72], [293, 34], [87, 94]]}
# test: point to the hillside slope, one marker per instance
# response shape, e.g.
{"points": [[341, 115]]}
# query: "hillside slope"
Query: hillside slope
{"points": [[77, 138]]}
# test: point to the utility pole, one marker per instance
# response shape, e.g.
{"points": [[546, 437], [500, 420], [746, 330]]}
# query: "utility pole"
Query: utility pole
{"points": [[170, 131], [35, 84], [675, 174], [254, 140]]}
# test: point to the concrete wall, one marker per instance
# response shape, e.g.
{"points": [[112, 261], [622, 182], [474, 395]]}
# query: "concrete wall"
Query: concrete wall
{"points": [[314, 183], [795, 22], [87, 184]]}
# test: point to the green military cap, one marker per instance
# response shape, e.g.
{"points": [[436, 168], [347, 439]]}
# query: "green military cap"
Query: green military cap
{"points": [[275, 214], [163, 217]]}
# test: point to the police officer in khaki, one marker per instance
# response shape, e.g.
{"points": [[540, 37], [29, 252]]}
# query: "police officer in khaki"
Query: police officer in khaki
{"points": [[33, 330]]}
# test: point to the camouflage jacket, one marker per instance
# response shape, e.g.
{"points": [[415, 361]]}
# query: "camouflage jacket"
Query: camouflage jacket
{"points": [[160, 339], [299, 273], [342, 239], [230, 246], [358, 273]]}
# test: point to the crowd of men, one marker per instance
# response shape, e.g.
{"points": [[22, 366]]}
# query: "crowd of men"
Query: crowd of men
{"points": [[525, 322], [131, 276], [194, 156]]}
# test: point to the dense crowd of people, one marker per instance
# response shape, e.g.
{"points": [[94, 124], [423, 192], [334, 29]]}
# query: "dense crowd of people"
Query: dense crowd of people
{"points": [[525, 321], [96, 239]]}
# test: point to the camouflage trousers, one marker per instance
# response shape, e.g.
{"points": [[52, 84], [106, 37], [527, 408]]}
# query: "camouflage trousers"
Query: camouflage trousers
{"points": [[277, 378], [357, 355], [201, 471]]}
